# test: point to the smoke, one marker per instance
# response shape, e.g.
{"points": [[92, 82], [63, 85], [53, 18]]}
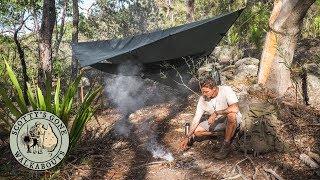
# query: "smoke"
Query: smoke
{"points": [[124, 90], [158, 150], [128, 94]]}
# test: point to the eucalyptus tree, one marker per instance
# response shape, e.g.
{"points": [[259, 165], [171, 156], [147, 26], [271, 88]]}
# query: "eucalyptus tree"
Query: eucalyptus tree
{"points": [[75, 34], [45, 41], [190, 10], [285, 26]]}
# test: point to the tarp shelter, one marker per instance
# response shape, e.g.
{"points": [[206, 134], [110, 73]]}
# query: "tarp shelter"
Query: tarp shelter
{"points": [[193, 40]]}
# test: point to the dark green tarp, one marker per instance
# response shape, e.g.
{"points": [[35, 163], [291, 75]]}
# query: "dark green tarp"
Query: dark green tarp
{"points": [[196, 39]]}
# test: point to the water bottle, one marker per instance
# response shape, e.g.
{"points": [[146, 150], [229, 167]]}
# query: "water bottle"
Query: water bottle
{"points": [[186, 128]]}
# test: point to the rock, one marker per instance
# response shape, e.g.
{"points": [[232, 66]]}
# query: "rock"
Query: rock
{"points": [[247, 61], [255, 88], [227, 54], [210, 70], [84, 82], [207, 68], [313, 87], [313, 90], [313, 68], [241, 90], [247, 71], [228, 75], [229, 68]]}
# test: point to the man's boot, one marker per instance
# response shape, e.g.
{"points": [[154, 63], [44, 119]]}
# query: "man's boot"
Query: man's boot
{"points": [[224, 151]]}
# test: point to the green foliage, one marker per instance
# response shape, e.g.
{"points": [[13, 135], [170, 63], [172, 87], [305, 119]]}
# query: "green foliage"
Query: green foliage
{"points": [[120, 18], [84, 114], [63, 108], [253, 23], [311, 22], [233, 36]]}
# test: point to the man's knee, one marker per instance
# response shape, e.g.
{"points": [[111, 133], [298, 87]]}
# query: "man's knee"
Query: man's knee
{"points": [[232, 118]]}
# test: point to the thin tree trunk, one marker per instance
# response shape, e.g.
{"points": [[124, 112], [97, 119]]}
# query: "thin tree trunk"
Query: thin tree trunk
{"points": [[75, 32], [170, 10], [285, 26], [36, 26], [45, 35], [190, 10], [22, 59], [60, 32]]}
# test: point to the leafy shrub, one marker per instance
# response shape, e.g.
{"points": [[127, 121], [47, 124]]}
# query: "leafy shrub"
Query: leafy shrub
{"points": [[61, 106]]}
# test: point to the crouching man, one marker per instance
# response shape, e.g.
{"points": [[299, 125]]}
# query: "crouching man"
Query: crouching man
{"points": [[221, 104]]}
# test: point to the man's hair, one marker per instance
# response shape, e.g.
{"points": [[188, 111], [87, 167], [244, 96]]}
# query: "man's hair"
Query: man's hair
{"points": [[208, 82]]}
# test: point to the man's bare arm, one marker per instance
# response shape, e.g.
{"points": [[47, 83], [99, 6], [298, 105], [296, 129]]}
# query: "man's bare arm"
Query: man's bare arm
{"points": [[233, 108], [196, 119]]}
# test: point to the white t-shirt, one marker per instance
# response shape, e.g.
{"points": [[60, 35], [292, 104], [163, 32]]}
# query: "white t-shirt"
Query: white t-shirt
{"points": [[226, 96]]}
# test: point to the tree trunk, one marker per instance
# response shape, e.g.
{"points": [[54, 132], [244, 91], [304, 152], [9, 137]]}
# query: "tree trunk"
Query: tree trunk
{"points": [[285, 25], [60, 32], [36, 26], [170, 10], [45, 39], [190, 10], [75, 32], [22, 59]]}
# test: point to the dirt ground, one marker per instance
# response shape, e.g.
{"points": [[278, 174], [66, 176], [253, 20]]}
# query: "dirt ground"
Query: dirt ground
{"points": [[104, 154]]}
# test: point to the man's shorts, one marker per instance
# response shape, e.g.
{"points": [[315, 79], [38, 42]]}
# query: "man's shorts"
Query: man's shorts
{"points": [[220, 124]]}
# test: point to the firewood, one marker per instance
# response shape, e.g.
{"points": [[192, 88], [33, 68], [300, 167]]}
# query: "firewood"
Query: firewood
{"points": [[233, 177], [307, 160], [256, 169], [273, 173], [314, 156], [267, 177]]}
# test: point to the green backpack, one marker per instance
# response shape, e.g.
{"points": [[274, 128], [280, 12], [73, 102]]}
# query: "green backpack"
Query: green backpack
{"points": [[258, 133]]}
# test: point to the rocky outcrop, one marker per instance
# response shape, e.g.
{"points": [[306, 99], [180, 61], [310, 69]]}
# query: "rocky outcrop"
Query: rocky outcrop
{"points": [[314, 90], [227, 54]]}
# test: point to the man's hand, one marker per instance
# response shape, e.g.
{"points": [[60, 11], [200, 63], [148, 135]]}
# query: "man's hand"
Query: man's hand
{"points": [[212, 118], [184, 143]]}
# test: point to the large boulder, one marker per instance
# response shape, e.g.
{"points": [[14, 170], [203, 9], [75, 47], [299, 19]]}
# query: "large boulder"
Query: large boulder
{"points": [[314, 90], [313, 86], [247, 61], [313, 68], [227, 54], [204, 70], [247, 71], [242, 75]]}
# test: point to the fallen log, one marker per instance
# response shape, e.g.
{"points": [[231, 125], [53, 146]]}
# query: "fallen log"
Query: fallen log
{"points": [[272, 172], [308, 161], [314, 156]]}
